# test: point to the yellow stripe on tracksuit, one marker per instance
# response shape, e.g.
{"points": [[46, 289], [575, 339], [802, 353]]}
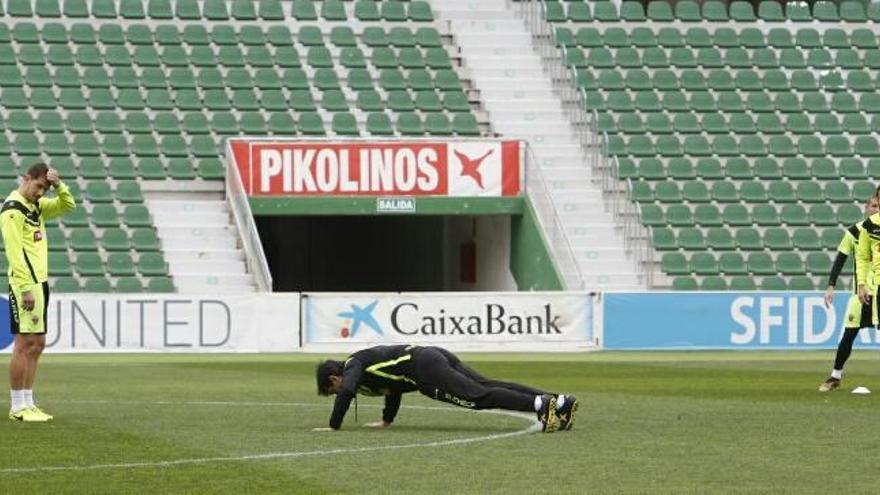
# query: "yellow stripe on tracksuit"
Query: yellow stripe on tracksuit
{"points": [[376, 369]]}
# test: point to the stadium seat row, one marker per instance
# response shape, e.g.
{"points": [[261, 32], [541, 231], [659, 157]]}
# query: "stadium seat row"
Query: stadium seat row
{"points": [[738, 123], [745, 239], [750, 191], [221, 10], [743, 80], [793, 169], [737, 214], [721, 37], [712, 11], [739, 283], [103, 284], [198, 35], [753, 146], [707, 263]]}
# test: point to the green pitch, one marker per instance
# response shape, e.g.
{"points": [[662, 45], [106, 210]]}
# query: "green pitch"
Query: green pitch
{"points": [[701, 422]]}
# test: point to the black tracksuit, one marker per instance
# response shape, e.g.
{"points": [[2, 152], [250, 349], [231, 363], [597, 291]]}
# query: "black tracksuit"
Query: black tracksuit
{"points": [[437, 373]]}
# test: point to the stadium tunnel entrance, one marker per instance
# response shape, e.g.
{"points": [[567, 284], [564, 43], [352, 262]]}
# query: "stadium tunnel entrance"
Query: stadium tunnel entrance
{"points": [[388, 253]]}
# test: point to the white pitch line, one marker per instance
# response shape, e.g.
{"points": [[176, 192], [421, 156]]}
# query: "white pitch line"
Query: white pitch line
{"points": [[534, 427]]}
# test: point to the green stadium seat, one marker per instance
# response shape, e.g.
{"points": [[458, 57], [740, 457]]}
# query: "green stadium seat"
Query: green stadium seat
{"points": [[59, 265], [848, 214], [684, 284], [216, 10], [632, 12], [741, 11], [75, 9], [675, 264], [742, 284], [663, 239], [128, 285], [713, 283], [160, 285], [366, 10], [822, 215], [82, 239], [761, 264], [692, 239], [771, 11], [748, 239], [120, 265], [765, 215], [152, 265], [704, 264], [188, 10], [115, 239], [798, 12], [97, 284], [605, 12], [831, 237], [774, 283], [801, 283], [66, 285], [818, 264], [378, 124], [825, 11], [686, 11], [714, 11], [720, 239], [145, 239], [806, 239]]}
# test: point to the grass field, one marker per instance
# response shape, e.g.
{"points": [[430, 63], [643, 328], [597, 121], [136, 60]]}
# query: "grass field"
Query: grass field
{"points": [[701, 422]]}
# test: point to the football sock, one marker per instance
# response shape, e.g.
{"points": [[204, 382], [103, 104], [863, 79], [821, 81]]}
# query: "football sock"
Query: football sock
{"points": [[560, 400], [17, 397], [844, 349], [837, 374], [538, 403], [28, 397]]}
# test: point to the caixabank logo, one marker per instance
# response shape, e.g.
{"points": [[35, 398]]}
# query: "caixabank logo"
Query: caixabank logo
{"points": [[5, 331], [357, 316]]}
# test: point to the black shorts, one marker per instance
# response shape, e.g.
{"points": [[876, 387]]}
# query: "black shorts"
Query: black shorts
{"points": [[16, 326]]}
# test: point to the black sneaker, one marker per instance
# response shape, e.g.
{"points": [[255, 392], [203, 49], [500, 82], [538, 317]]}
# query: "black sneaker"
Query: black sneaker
{"points": [[566, 412], [830, 384], [547, 415]]}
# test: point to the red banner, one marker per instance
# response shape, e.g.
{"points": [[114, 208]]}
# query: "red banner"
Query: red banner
{"points": [[378, 168]]}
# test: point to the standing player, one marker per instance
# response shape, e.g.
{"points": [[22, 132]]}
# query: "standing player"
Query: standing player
{"points": [[437, 373], [24, 233], [859, 313]]}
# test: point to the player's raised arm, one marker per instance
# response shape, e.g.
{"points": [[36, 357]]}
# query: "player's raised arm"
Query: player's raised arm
{"points": [[62, 203]]}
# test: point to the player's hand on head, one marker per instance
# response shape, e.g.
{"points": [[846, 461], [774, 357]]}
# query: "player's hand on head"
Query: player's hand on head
{"points": [[52, 176]]}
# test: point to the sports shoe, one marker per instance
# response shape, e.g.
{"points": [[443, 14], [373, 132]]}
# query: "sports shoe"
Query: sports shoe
{"points": [[36, 410], [547, 415], [566, 412], [27, 416], [830, 384]]}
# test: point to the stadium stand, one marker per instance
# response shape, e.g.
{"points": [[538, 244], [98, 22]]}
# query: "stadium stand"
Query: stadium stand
{"points": [[748, 137], [125, 98]]}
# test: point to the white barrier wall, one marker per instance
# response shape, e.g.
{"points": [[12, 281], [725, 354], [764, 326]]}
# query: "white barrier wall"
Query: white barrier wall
{"points": [[169, 323], [528, 321]]}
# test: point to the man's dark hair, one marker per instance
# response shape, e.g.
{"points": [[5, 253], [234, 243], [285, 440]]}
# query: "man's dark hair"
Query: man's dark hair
{"points": [[323, 371], [38, 170]]}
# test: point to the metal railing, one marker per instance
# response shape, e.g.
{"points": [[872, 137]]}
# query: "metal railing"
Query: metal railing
{"points": [[247, 227], [551, 224], [594, 144]]}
